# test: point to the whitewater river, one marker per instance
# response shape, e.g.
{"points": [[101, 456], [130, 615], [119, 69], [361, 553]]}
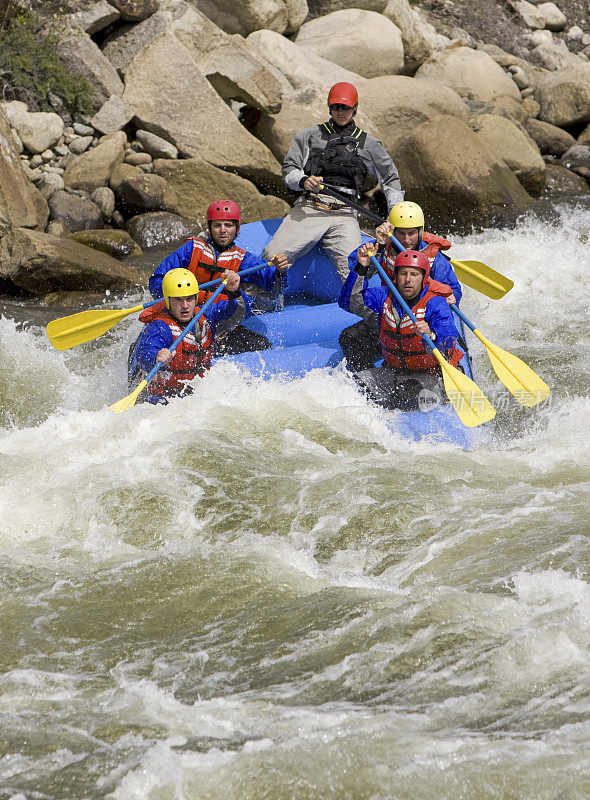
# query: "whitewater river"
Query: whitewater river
{"points": [[262, 592]]}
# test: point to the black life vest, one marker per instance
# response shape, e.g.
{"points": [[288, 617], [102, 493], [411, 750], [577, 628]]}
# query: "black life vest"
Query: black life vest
{"points": [[336, 157]]}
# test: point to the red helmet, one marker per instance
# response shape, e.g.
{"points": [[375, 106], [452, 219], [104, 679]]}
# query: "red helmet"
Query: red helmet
{"points": [[344, 93], [224, 209], [413, 258]]}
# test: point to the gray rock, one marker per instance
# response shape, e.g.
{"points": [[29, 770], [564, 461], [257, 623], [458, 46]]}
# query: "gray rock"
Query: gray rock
{"points": [[245, 16], [83, 130], [137, 191], [112, 116], [361, 41], [117, 244], [554, 18], [21, 204], [564, 96], [560, 181], [95, 17], [575, 33], [550, 139], [49, 184], [531, 17], [137, 159], [40, 263], [93, 169], [75, 212], [80, 145], [135, 10], [155, 145], [160, 227], [578, 156], [37, 130], [104, 198], [541, 37]]}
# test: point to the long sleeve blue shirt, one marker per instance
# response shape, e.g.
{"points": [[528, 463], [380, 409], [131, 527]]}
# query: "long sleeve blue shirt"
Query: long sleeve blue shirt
{"points": [[437, 314], [266, 278], [158, 335]]}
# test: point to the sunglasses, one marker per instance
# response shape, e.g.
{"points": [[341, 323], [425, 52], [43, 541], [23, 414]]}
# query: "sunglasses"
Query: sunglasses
{"points": [[339, 107]]}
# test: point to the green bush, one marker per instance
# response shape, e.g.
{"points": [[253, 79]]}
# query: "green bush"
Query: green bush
{"points": [[30, 68]]}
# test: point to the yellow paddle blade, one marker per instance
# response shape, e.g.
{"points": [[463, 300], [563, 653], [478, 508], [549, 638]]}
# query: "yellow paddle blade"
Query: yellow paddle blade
{"points": [[76, 329], [517, 377], [130, 400], [468, 400], [484, 279]]}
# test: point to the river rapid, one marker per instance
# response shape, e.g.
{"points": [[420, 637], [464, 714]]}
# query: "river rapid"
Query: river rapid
{"points": [[263, 592]]}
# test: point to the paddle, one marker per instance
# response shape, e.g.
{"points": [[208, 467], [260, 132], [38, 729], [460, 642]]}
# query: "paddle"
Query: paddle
{"points": [[474, 274], [472, 406], [517, 377], [130, 400], [85, 326]]}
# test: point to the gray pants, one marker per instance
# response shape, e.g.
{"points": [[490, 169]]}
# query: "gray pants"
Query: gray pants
{"points": [[306, 224]]}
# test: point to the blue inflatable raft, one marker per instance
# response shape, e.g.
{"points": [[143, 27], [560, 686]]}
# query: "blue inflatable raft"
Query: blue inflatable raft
{"points": [[304, 335]]}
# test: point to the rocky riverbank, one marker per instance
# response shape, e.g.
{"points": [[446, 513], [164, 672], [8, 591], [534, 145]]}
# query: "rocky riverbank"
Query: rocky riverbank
{"points": [[483, 106]]}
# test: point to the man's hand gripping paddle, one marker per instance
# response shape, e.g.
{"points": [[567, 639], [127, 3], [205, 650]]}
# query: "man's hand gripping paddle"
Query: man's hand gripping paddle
{"points": [[131, 399], [520, 380], [472, 406]]}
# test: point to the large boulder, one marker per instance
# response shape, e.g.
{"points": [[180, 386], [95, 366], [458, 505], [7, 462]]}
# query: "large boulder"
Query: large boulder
{"points": [[514, 147], [156, 228], [76, 213], [180, 105], [117, 244], [195, 183], [245, 16], [458, 181], [399, 103], [95, 17], [80, 54], [553, 17], [38, 130], [550, 139], [564, 96], [473, 74], [93, 169], [138, 191], [360, 41], [299, 69], [300, 110], [135, 10], [561, 181], [419, 37], [21, 205], [231, 65], [39, 263]]}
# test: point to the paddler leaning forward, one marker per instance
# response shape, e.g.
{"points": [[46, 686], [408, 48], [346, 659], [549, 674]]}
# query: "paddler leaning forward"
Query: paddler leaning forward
{"points": [[408, 367], [193, 355]]}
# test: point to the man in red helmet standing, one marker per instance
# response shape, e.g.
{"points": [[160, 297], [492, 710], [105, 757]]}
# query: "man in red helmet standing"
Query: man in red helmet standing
{"points": [[341, 155], [408, 367], [208, 256]]}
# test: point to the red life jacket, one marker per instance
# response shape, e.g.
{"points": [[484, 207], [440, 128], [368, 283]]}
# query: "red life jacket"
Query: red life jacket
{"points": [[207, 266], [192, 356], [389, 256], [403, 348], [435, 243]]}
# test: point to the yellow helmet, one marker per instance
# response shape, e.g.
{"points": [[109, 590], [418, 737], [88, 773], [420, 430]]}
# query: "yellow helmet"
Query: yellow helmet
{"points": [[179, 283], [406, 215]]}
